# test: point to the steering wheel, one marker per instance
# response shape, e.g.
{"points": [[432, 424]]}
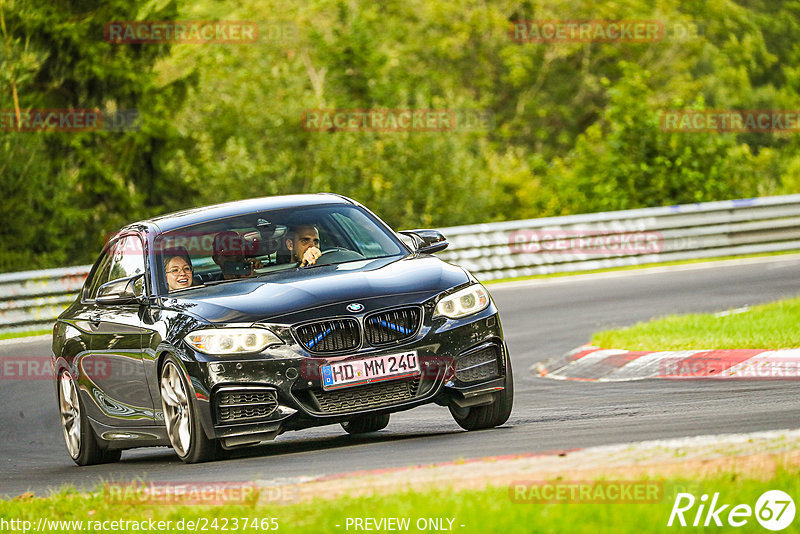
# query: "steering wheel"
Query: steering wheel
{"points": [[336, 255]]}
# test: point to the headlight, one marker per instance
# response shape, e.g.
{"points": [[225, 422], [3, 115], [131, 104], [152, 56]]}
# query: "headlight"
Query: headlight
{"points": [[469, 300], [232, 340]]}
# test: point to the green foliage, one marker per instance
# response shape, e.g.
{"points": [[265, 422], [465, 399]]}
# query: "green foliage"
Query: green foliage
{"points": [[64, 192], [625, 160], [575, 126]]}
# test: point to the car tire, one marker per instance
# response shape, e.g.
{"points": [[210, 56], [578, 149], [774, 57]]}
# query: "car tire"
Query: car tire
{"points": [[492, 415], [81, 441], [366, 423], [184, 429]]}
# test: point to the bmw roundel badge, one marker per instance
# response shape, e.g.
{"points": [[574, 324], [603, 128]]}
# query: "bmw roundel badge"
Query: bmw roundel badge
{"points": [[355, 307]]}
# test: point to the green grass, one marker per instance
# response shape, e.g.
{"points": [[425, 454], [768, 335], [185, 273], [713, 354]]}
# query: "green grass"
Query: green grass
{"points": [[767, 326], [485, 511], [638, 267], [15, 335]]}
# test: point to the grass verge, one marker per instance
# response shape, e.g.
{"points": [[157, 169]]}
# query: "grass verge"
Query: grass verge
{"points": [[766, 326], [489, 510], [15, 335]]}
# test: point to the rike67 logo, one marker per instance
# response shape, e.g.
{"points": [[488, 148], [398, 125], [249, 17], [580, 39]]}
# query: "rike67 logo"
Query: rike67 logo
{"points": [[774, 510]]}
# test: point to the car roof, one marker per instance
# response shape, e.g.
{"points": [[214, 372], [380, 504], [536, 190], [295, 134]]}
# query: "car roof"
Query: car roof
{"points": [[180, 219]]}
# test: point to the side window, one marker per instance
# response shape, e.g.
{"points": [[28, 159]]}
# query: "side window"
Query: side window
{"points": [[100, 275], [128, 258], [123, 259], [370, 242]]}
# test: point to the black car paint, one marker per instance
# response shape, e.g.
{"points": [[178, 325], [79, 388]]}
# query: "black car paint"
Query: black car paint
{"points": [[114, 350]]}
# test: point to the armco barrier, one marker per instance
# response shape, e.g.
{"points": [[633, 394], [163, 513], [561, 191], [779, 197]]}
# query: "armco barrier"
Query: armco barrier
{"points": [[689, 231], [32, 299]]}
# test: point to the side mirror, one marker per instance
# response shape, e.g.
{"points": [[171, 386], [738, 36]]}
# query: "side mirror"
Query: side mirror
{"points": [[122, 291], [427, 241]]}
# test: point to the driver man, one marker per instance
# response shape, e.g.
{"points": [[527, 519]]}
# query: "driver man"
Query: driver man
{"points": [[303, 244]]}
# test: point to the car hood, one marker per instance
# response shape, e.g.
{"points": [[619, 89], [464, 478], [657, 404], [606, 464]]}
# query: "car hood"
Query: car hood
{"points": [[298, 292]]}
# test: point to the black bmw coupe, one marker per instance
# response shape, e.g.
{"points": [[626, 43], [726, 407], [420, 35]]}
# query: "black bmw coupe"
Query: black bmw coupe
{"points": [[225, 326]]}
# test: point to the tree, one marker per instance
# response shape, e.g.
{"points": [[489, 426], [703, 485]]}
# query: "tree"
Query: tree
{"points": [[67, 190]]}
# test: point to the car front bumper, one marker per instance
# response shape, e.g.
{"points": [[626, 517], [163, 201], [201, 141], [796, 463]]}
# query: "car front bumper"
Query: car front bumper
{"points": [[244, 401]]}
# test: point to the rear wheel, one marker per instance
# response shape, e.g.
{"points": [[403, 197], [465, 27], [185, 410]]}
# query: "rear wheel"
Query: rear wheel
{"points": [[492, 415], [81, 441], [181, 418], [366, 423]]}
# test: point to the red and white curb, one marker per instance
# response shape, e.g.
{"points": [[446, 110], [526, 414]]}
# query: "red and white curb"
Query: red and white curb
{"points": [[615, 365]]}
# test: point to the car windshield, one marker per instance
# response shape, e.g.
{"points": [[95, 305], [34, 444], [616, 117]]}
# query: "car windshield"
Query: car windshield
{"points": [[261, 243]]}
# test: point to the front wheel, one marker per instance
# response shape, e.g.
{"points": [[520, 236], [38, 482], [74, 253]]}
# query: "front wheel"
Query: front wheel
{"points": [[81, 441], [180, 416], [366, 423], [492, 415]]}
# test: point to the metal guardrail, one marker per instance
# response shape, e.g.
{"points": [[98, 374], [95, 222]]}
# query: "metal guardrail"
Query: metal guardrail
{"points": [[689, 231], [33, 299]]}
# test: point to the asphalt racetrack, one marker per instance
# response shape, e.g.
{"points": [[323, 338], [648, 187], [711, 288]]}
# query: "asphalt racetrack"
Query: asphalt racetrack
{"points": [[541, 319]]}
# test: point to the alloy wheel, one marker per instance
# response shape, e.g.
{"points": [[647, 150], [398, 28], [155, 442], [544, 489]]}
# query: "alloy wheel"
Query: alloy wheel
{"points": [[175, 403], [70, 414]]}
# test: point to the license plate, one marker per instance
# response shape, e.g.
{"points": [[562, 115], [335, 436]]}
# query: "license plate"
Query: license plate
{"points": [[367, 371]]}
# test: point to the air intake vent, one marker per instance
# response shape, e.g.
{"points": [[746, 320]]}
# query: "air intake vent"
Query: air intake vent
{"points": [[369, 396], [478, 365], [235, 405], [392, 326], [329, 336]]}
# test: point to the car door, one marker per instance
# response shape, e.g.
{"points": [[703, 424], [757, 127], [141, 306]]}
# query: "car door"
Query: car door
{"points": [[118, 389], [80, 328]]}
